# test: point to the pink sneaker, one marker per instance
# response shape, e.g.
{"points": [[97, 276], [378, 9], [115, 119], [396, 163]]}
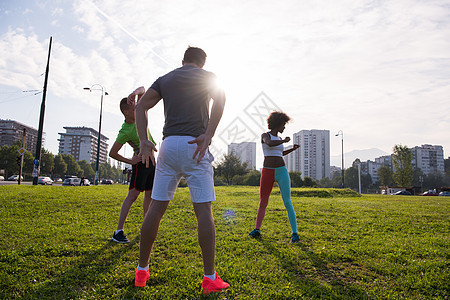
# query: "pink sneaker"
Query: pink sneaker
{"points": [[210, 286], [141, 277]]}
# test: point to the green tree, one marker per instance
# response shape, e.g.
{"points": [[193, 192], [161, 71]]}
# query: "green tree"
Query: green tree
{"points": [[73, 168], [47, 162], [351, 177], [336, 181], [366, 181], [8, 159], [28, 166], [296, 179], [418, 177], [402, 161], [309, 182], [229, 167], [385, 176], [60, 168], [325, 182], [88, 172], [103, 171], [434, 181], [116, 173]]}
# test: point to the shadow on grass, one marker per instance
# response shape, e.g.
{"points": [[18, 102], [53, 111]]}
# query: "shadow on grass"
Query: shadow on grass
{"points": [[80, 277], [324, 283]]}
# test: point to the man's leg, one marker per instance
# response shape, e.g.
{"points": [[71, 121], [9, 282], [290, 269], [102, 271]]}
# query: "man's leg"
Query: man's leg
{"points": [[149, 230], [147, 201], [126, 205], [206, 235]]}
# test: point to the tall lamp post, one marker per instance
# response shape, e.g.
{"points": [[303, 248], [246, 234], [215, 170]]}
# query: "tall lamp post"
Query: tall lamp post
{"points": [[92, 88], [341, 133]]}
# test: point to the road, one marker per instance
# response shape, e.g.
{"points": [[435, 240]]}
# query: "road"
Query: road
{"points": [[6, 182]]}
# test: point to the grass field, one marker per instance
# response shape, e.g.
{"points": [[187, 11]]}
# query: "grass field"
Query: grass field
{"points": [[55, 244]]}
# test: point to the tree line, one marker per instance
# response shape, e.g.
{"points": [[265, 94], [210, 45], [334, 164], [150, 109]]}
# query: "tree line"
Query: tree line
{"points": [[231, 171], [54, 166], [405, 175]]}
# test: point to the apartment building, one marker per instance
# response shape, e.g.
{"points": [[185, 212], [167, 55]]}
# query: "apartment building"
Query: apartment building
{"points": [[81, 142], [428, 158], [371, 168], [245, 151], [12, 131], [313, 156]]}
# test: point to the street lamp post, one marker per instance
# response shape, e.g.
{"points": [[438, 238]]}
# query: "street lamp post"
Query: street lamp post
{"points": [[341, 133], [99, 126]]}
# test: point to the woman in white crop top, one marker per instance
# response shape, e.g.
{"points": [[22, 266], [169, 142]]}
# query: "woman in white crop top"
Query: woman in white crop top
{"points": [[273, 170]]}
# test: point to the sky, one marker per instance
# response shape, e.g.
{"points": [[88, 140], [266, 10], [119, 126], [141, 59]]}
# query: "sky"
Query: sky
{"points": [[377, 70]]}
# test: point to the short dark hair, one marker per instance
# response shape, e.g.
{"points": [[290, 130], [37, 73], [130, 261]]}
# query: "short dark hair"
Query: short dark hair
{"points": [[124, 105], [194, 55], [276, 119]]}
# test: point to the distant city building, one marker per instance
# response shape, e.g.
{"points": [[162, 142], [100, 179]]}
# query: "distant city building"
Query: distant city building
{"points": [[245, 151], [12, 131], [313, 156], [385, 160], [428, 158], [371, 168], [289, 159], [81, 142], [335, 171]]}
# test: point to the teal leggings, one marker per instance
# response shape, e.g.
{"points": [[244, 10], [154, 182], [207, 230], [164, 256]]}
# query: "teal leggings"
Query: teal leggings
{"points": [[268, 177]]}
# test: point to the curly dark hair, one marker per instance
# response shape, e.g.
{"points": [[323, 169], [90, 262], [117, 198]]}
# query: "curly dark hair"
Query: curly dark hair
{"points": [[276, 119]]}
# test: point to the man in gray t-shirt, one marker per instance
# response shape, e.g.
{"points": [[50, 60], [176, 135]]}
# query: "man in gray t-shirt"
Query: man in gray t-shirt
{"points": [[186, 96], [188, 131]]}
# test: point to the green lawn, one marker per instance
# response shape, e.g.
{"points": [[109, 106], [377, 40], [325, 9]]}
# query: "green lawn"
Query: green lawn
{"points": [[55, 244]]}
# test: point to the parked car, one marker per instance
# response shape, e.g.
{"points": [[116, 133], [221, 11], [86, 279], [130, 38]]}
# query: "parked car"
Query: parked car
{"points": [[430, 193], [58, 180], [2, 178], [405, 193], [107, 181], [85, 182], [444, 193], [15, 178], [73, 181], [45, 180]]}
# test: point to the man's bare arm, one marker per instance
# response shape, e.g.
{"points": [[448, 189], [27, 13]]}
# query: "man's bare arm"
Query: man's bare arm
{"points": [[203, 141], [149, 100], [114, 153]]}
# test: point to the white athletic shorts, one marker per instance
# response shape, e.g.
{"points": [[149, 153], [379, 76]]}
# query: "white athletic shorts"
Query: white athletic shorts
{"points": [[175, 161]]}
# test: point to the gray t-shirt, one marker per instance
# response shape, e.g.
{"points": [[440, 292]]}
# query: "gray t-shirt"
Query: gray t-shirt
{"points": [[186, 95]]}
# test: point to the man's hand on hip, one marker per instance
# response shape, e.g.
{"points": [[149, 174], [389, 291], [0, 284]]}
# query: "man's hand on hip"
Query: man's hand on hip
{"points": [[147, 152], [202, 142]]}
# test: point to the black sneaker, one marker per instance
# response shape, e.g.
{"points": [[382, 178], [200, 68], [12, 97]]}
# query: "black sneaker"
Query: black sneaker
{"points": [[120, 237], [255, 233], [295, 238]]}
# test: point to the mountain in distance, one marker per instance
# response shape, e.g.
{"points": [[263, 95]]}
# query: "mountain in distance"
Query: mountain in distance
{"points": [[363, 155]]}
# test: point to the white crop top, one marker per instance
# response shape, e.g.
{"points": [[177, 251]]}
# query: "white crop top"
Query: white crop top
{"points": [[275, 150]]}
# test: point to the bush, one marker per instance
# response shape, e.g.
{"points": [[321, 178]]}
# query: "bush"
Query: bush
{"points": [[219, 181], [238, 180], [253, 178]]}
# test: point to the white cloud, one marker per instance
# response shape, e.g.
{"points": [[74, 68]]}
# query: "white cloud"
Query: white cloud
{"points": [[57, 11]]}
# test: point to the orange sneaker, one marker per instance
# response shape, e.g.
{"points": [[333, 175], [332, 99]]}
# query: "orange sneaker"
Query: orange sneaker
{"points": [[210, 286], [141, 277]]}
